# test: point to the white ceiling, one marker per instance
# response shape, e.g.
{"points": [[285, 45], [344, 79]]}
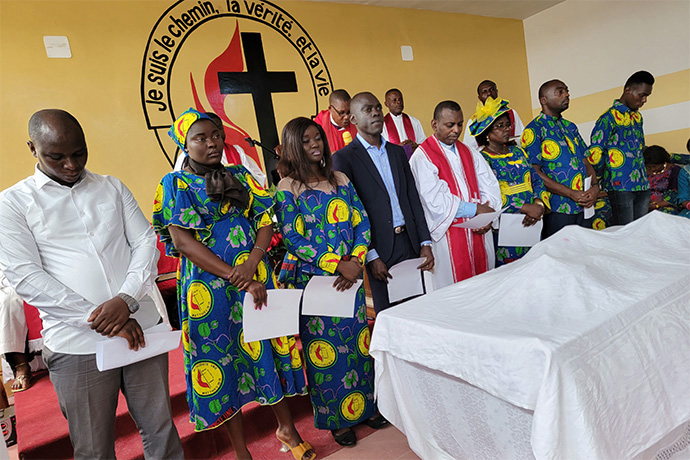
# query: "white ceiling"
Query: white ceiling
{"points": [[516, 9]]}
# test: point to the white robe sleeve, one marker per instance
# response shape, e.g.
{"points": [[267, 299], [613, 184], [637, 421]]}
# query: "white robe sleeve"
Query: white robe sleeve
{"points": [[252, 167], [418, 130], [519, 127], [488, 184], [469, 140], [384, 134], [439, 204]]}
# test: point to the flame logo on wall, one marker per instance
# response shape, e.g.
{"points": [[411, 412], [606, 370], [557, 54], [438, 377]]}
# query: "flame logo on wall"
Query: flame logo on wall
{"points": [[229, 60]]}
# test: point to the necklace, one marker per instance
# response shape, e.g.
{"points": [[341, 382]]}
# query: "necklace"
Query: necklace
{"points": [[661, 171], [507, 150]]}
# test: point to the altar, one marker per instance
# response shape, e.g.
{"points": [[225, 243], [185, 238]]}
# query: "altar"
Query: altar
{"points": [[580, 350]]}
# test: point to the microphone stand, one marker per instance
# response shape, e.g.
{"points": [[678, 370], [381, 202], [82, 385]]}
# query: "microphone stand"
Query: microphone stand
{"points": [[254, 143], [274, 177]]}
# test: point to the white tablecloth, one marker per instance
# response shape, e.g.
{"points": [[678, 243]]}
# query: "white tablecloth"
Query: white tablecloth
{"points": [[590, 332]]}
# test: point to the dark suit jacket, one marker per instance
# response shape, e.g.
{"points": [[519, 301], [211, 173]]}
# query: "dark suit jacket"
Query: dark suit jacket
{"points": [[355, 162]]}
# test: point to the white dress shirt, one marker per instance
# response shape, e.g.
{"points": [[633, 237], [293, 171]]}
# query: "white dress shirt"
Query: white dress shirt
{"points": [[66, 250], [245, 159], [416, 126]]}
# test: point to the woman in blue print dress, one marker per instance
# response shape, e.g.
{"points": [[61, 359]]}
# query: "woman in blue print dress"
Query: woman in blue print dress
{"points": [[326, 230], [215, 219], [522, 190]]}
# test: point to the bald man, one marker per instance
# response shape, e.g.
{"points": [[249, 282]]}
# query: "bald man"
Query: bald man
{"points": [[487, 89], [76, 246], [335, 121], [557, 152]]}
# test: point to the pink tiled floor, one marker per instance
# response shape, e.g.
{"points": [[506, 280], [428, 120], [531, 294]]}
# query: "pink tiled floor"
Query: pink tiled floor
{"points": [[386, 444]]}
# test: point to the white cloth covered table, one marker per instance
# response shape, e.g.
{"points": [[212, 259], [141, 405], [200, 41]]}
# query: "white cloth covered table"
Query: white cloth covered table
{"points": [[583, 346]]}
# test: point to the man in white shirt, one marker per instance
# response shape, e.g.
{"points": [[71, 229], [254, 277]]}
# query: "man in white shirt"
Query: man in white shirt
{"points": [[76, 246], [232, 155], [484, 90], [455, 183], [399, 127]]}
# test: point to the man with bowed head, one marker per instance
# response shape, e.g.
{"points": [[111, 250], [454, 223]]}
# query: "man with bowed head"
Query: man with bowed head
{"points": [[335, 121], [557, 152], [76, 246], [398, 127], [381, 175], [455, 183]]}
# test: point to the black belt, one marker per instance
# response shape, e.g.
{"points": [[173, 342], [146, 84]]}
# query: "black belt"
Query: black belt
{"points": [[399, 230]]}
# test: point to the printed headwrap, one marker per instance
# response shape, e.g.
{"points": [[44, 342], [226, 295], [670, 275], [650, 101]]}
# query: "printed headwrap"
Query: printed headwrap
{"points": [[486, 114], [180, 127]]}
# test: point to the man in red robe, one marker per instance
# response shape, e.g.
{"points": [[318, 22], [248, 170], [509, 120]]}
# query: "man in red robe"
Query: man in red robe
{"points": [[335, 121]]}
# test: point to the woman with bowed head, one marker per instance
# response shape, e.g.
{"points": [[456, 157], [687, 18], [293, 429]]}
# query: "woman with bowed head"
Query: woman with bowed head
{"points": [[326, 231], [522, 190], [215, 218]]}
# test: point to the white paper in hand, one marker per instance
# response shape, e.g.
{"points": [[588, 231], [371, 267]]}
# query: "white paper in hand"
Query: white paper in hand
{"points": [[406, 281], [114, 352], [589, 212], [512, 233], [278, 319], [480, 220], [322, 299]]}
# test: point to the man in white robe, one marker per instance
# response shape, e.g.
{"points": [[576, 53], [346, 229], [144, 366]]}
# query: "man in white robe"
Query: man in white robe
{"points": [[455, 183]]}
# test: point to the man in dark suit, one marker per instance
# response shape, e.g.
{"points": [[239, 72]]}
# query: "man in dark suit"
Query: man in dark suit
{"points": [[383, 180]]}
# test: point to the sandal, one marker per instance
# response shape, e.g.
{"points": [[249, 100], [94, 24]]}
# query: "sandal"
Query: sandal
{"points": [[299, 451], [377, 422], [346, 439], [24, 380]]}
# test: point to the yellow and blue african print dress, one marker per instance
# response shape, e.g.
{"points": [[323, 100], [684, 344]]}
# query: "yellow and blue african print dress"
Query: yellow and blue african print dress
{"points": [[223, 372], [320, 226], [520, 184]]}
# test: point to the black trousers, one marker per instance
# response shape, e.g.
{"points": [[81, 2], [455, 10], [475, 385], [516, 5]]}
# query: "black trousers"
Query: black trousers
{"points": [[402, 250]]}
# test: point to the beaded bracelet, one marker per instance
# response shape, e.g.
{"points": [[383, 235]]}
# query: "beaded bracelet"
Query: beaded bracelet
{"points": [[260, 249]]}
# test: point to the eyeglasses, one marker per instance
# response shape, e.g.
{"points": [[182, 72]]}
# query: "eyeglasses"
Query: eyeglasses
{"points": [[341, 113], [503, 125]]}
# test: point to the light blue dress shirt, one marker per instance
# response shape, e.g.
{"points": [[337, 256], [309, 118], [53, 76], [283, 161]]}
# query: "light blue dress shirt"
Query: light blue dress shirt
{"points": [[379, 155]]}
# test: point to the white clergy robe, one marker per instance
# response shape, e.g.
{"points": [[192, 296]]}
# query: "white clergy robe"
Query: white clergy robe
{"points": [[440, 205]]}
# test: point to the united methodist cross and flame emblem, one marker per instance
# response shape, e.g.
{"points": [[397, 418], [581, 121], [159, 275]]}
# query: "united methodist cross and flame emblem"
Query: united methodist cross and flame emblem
{"points": [[241, 69]]}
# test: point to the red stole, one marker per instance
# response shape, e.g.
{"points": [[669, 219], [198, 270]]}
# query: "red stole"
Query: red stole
{"points": [[336, 137], [232, 156], [392, 130], [511, 116], [467, 252]]}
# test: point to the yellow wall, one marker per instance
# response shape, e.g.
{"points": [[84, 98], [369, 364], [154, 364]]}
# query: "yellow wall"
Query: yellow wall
{"points": [[100, 83]]}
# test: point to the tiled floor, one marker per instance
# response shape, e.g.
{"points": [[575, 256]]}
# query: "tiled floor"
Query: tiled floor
{"points": [[386, 444]]}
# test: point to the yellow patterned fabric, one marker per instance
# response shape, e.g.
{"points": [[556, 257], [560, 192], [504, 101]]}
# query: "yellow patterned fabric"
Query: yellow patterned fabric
{"points": [[178, 130]]}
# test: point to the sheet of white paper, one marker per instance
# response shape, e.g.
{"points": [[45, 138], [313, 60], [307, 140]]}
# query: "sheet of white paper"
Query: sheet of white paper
{"points": [[406, 281], [279, 318], [480, 221], [589, 212], [114, 352], [322, 299], [511, 232]]}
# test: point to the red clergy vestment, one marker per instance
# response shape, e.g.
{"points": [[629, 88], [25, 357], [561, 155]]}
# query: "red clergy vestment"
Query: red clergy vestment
{"points": [[393, 135], [467, 251], [336, 137]]}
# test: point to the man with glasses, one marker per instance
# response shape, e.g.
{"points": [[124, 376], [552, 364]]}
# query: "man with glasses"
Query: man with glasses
{"points": [[336, 120]]}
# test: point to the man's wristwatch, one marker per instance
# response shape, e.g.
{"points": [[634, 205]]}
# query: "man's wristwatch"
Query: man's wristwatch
{"points": [[132, 304]]}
